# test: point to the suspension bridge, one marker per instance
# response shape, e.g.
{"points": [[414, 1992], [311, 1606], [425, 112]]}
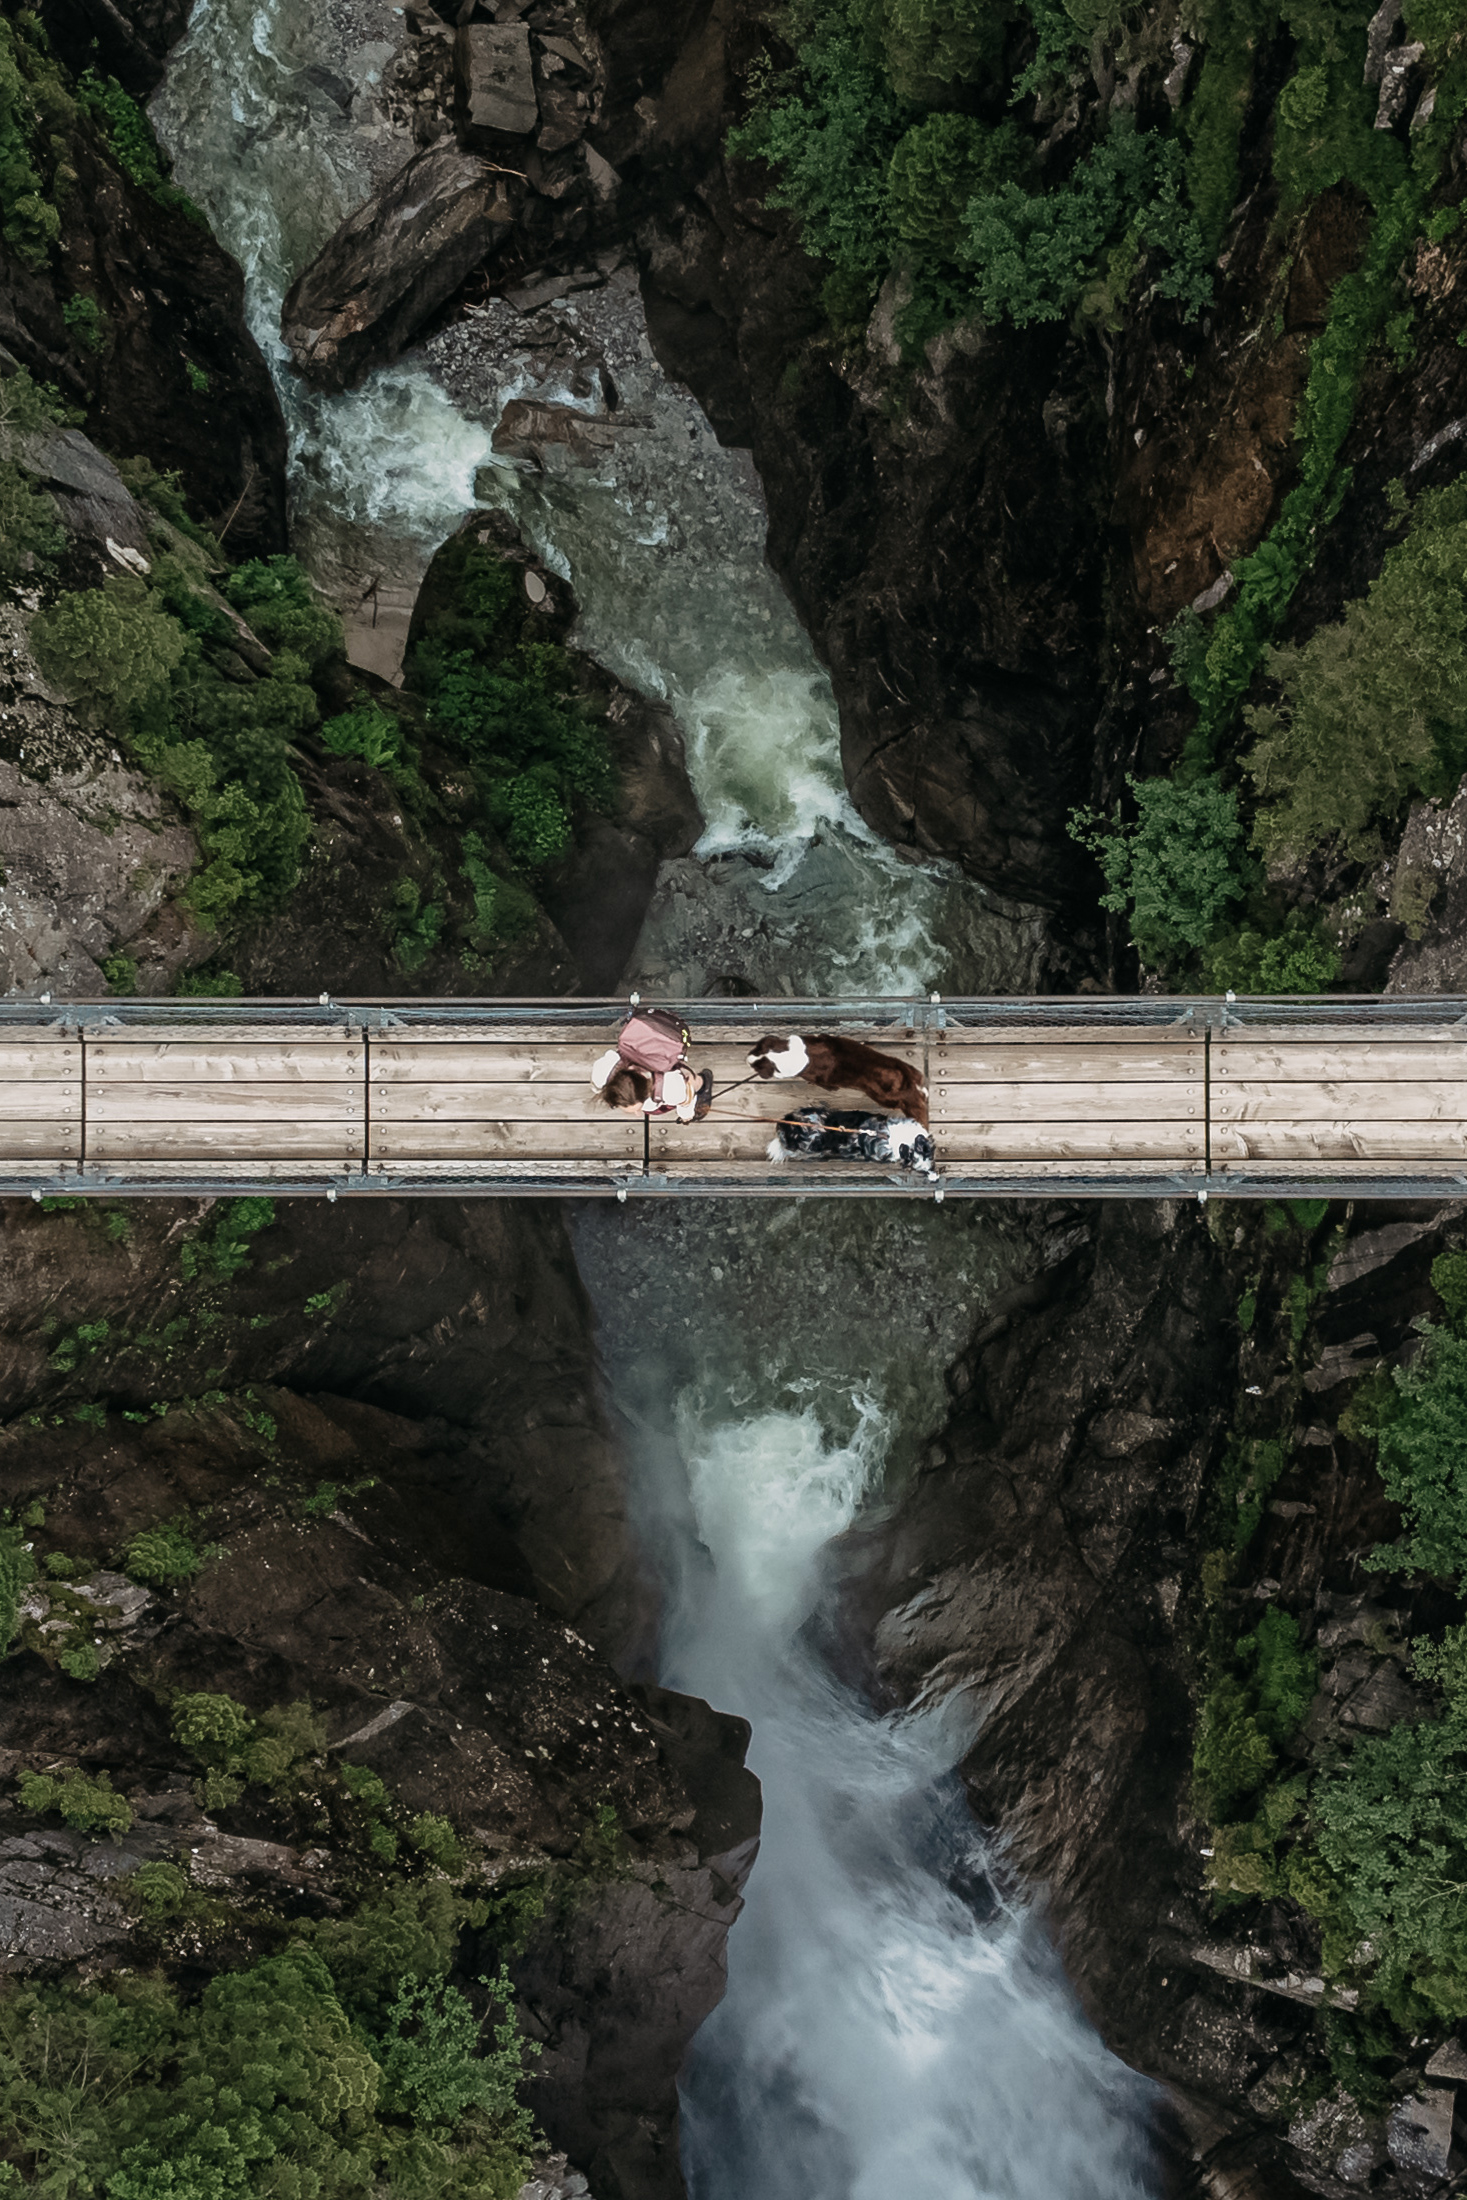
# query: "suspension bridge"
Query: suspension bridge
{"points": [[1090, 1096]]}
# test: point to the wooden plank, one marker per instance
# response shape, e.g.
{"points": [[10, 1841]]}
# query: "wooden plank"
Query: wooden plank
{"points": [[528, 1102], [1138, 1166], [760, 1170], [592, 1038], [1041, 1064], [1379, 1031], [200, 1033], [475, 1168], [197, 1060], [38, 1060], [1363, 1060], [333, 1171], [37, 1100], [1182, 1141], [617, 1136], [19, 1140], [1037, 1034], [1362, 1103], [1000, 1103], [277, 1139], [1340, 1141], [250, 1101]]}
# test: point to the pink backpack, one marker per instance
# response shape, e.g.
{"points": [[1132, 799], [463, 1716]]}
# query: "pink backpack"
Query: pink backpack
{"points": [[654, 1041]]}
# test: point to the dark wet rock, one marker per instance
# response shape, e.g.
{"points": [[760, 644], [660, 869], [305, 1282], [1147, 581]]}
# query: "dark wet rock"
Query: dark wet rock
{"points": [[394, 261], [469, 1698], [496, 83], [128, 39], [91, 499], [93, 849], [172, 301], [526, 426], [1419, 2133], [468, 1332]]}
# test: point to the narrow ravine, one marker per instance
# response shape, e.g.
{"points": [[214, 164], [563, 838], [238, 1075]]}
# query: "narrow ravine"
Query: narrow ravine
{"points": [[892, 2023]]}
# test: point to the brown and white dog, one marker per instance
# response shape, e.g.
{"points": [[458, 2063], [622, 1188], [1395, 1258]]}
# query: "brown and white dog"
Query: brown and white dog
{"points": [[843, 1065]]}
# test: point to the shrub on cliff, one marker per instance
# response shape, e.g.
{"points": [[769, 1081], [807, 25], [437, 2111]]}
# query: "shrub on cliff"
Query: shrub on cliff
{"points": [[1372, 709], [276, 597], [1250, 1712], [1176, 868], [939, 165], [1422, 1439], [1390, 1828], [1032, 255], [270, 2081], [107, 649], [829, 129], [35, 114]]}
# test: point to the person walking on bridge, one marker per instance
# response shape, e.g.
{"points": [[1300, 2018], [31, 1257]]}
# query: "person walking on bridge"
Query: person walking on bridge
{"points": [[648, 1071]]}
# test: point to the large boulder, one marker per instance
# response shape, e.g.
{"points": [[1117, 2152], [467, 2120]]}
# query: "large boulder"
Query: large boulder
{"points": [[394, 262]]}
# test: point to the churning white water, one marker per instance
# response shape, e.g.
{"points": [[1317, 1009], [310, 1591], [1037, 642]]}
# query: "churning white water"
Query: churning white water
{"points": [[895, 2022], [892, 2025], [663, 538]]}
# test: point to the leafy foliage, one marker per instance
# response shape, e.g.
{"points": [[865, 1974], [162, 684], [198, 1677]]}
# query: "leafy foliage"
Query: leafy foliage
{"points": [[162, 1555], [830, 130], [1390, 1826], [17, 1572], [941, 163], [365, 732], [108, 649], [91, 1806], [1032, 256], [507, 704], [1449, 1281], [1374, 708], [222, 1248], [877, 182], [130, 135], [274, 2080], [35, 113], [1296, 959], [276, 597], [1423, 1460], [1249, 1712], [1177, 868]]}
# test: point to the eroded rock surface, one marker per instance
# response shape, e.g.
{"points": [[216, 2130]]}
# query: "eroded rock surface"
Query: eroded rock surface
{"points": [[394, 261]]}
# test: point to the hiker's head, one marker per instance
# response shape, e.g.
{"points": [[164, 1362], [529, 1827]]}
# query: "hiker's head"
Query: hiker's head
{"points": [[626, 1088]]}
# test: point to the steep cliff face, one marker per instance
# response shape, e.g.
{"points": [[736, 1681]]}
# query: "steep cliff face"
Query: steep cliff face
{"points": [[128, 305], [380, 1443], [1151, 1451]]}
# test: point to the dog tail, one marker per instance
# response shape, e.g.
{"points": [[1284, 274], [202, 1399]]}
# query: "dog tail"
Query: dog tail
{"points": [[776, 1149]]}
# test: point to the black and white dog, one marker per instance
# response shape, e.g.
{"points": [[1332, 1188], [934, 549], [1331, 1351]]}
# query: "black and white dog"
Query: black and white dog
{"points": [[848, 1134]]}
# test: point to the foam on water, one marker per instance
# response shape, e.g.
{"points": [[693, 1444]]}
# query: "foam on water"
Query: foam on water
{"points": [[663, 542], [883, 2031]]}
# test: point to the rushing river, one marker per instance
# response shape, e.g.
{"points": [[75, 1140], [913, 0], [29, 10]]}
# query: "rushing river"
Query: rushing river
{"points": [[892, 2025]]}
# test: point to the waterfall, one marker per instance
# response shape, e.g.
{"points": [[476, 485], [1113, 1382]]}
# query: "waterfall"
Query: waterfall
{"points": [[892, 2023]]}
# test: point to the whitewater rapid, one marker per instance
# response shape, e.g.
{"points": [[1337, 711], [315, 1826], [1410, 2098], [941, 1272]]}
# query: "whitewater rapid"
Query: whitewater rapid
{"points": [[892, 2024]]}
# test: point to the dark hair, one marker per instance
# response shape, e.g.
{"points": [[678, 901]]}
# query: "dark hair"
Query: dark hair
{"points": [[626, 1088]]}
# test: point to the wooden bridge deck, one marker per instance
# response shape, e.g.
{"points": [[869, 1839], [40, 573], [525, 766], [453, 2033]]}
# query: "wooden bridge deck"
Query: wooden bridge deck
{"points": [[1113, 1097]]}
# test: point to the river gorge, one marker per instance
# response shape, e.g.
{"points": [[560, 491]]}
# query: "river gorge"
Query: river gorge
{"points": [[811, 1699]]}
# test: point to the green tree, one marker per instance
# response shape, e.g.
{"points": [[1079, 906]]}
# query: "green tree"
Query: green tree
{"points": [[1373, 709], [107, 648], [1176, 869]]}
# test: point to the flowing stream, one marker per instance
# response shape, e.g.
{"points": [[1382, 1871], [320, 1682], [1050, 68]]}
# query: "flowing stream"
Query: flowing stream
{"points": [[893, 2023]]}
